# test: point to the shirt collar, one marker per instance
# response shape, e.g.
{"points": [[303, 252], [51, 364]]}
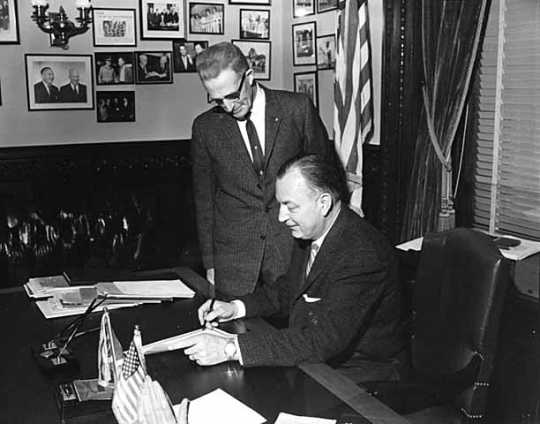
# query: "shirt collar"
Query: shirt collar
{"points": [[257, 109]]}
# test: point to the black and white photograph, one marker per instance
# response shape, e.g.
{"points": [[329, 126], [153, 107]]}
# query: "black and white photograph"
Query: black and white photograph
{"points": [[254, 24], [326, 52], [59, 82], [206, 18], [326, 5], [114, 68], [162, 20], [258, 55], [303, 39], [153, 67], [303, 8], [115, 106], [251, 2], [307, 82], [185, 54], [9, 24], [114, 28]]}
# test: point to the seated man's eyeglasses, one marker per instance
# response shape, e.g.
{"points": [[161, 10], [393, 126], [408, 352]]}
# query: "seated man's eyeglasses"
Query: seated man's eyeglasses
{"points": [[234, 96]]}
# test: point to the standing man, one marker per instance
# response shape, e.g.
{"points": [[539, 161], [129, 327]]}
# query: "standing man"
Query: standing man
{"points": [[341, 292], [45, 91], [73, 91], [237, 148], [183, 62]]}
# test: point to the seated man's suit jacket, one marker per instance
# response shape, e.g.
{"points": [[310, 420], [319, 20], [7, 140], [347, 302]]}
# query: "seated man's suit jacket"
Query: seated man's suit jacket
{"points": [[348, 306], [237, 213]]}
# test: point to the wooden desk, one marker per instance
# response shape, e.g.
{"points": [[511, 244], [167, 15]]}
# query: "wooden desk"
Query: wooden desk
{"points": [[26, 395]]}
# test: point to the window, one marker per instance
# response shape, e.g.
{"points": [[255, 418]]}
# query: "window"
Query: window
{"points": [[507, 175]]}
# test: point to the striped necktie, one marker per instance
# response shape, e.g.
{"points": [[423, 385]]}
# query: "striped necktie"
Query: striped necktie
{"points": [[312, 254], [256, 150]]}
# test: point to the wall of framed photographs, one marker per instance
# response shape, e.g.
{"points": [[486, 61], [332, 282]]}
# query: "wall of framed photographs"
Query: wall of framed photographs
{"points": [[310, 60], [120, 103]]}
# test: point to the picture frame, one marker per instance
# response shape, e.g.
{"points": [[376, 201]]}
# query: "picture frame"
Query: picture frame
{"points": [[258, 54], [326, 5], [326, 52], [115, 106], [59, 81], [254, 24], [114, 68], [308, 83], [114, 27], [252, 2], [206, 18], [153, 67], [304, 38], [162, 19], [9, 22], [189, 48], [303, 8]]}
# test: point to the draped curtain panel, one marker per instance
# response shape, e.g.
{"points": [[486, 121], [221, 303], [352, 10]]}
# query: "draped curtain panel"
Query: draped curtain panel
{"points": [[450, 36]]}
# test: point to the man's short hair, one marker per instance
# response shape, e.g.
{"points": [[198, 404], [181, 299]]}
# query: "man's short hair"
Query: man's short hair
{"points": [[45, 68], [218, 57], [321, 174]]}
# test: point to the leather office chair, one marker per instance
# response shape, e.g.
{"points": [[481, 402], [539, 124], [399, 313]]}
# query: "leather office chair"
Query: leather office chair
{"points": [[457, 304]]}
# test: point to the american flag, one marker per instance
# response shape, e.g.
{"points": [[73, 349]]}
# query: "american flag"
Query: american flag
{"points": [[129, 386], [353, 101]]}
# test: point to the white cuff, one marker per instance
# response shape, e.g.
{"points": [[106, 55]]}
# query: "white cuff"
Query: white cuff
{"points": [[238, 353], [240, 309]]}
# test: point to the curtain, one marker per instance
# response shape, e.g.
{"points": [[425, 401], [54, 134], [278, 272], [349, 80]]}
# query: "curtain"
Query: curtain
{"points": [[450, 35]]}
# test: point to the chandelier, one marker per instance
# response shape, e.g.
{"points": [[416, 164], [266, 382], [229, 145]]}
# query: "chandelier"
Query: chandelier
{"points": [[57, 23]]}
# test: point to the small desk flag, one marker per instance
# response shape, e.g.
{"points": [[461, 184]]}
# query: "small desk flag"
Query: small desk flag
{"points": [[109, 353]]}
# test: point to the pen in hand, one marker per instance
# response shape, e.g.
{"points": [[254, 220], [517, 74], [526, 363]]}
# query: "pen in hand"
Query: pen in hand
{"points": [[208, 324]]}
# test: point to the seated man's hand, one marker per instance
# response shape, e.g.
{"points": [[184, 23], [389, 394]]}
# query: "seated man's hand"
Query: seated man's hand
{"points": [[221, 311], [209, 348]]}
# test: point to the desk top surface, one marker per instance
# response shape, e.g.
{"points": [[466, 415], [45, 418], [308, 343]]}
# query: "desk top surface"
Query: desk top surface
{"points": [[25, 393]]}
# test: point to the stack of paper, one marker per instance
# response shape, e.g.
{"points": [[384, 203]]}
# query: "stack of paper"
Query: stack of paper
{"points": [[42, 287], [172, 343], [156, 289]]}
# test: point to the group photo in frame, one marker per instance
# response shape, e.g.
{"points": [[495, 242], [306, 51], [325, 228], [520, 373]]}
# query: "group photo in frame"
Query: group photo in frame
{"points": [[114, 27], [254, 24], [59, 81], [185, 54], [326, 51], [304, 36], [258, 54], [307, 83], [9, 23], [326, 5], [114, 68], [115, 106], [206, 18], [252, 2], [153, 67], [162, 20], [303, 8]]}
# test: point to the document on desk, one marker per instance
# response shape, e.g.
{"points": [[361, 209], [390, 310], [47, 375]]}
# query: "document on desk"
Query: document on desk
{"points": [[284, 418], [152, 289], [220, 407], [43, 287], [171, 343]]}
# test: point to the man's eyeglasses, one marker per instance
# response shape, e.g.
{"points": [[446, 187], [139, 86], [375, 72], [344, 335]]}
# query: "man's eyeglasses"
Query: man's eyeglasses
{"points": [[234, 96]]}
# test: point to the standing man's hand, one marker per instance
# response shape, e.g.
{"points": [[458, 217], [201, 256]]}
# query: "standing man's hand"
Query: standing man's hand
{"points": [[210, 276]]}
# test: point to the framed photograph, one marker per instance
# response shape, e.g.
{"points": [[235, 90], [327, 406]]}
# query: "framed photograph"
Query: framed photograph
{"points": [[258, 55], [326, 5], [206, 18], [115, 106], [61, 81], [303, 39], [254, 2], [153, 67], [114, 68], [9, 22], [254, 24], [306, 82], [185, 53], [326, 52], [162, 20], [303, 8], [114, 27]]}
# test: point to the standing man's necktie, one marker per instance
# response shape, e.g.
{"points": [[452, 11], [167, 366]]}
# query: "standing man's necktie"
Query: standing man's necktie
{"points": [[256, 150], [312, 254]]}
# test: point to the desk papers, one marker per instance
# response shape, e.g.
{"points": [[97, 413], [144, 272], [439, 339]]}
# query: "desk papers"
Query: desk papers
{"points": [[43, 287], [220, 407], [284, 418], [171, 343], [154, 289]]}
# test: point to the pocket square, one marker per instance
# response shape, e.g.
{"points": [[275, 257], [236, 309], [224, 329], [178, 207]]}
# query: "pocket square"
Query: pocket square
{"points": [[310, 299]]}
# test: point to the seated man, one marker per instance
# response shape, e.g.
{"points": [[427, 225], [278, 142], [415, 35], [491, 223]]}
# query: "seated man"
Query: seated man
{"points": [[340, 293]]}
